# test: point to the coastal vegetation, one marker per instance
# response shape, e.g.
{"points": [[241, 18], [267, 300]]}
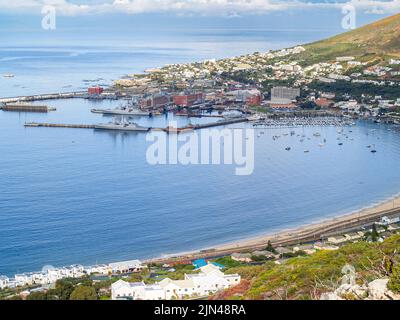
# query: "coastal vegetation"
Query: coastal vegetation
{"points": [[66, 289], [373, 41], [308, 276], [357, 90]]}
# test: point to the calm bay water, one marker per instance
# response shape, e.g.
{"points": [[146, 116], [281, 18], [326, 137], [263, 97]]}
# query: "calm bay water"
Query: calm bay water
{"points": [[83, 196]]}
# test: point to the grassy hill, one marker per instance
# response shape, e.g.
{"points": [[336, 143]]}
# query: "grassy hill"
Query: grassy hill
{"points": [[377, 40], [306, 277]]}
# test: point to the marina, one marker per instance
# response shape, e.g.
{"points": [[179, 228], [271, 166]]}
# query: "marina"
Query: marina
{"points": [[303, 122], [82, 196], [276, 168]]}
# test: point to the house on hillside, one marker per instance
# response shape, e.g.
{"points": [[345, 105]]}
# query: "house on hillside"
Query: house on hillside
{"points": [[209, 280], [241, 257], [127, 266]]}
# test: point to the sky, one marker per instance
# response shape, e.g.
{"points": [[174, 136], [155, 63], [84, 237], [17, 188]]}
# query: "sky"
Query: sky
{"points": [[192, 7], [23, 18]]}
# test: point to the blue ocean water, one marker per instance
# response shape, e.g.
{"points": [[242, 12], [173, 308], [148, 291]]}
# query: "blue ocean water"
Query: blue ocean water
{"points": [[83, 196], [63, 63]]}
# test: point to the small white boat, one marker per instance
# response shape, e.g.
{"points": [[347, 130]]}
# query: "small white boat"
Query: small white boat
{"points": [[8, 75]]}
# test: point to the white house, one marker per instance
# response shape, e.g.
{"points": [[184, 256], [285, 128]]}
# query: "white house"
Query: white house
{"points": [[386, 221], [242, 257], [209, 280], [177, 289], [123, 289], [154, 292], [40, 278], [126, 266], [97, 269], [23, 279], [4, 282]]}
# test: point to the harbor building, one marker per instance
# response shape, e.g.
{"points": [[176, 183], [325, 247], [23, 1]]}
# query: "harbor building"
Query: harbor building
{"points": [[283, 97], [251, 97], [284, 93], [187, 100], [95, 90], [155, 101]]}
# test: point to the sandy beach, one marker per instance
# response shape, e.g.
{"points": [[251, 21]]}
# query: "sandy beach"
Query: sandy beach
{"points": [[300, 234]]}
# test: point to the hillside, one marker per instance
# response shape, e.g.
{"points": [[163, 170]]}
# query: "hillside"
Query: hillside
{"points": [[307, 277], [376, 40]]}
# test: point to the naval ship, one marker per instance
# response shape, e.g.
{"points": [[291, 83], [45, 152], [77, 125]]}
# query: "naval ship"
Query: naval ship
{"points": [[121, 126], [123, 111]]}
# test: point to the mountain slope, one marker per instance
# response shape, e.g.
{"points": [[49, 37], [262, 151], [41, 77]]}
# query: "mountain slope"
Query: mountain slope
{"points": [[307, 277], [373, 41]]}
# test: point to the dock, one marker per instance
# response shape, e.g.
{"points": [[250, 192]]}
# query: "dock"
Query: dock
{"points": [[49, 96], [59, 125], [220, 123], [19, 107], [167, 129], [190, 115]]}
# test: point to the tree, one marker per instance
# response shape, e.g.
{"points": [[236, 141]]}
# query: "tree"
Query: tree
{"points": [[64, 288], [394, 281], [270, 248], [83, 293], [374, 233], [308, 105], [37, 296]]}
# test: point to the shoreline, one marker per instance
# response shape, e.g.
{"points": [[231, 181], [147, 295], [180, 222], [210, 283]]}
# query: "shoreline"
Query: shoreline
{"points": [[301, 234], [308, 232]]}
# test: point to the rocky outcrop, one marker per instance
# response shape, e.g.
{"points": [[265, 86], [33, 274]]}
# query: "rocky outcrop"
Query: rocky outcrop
{"points": [[375, 290]]}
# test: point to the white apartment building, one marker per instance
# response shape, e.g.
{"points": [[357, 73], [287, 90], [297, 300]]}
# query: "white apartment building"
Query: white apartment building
{"points": [[4, 282], [126, 266], [74, 271], [209, 280]]}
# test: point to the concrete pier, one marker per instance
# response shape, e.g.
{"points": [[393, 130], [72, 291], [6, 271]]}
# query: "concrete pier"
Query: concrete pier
{"points": [[19, 107], [220, 123], [59, 125], [168, 129], [50, 96]]}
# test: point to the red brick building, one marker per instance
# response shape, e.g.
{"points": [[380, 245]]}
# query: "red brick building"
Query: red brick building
{"points": [[155, 101], [188, 100], [254, 100], [323, 102], [95, 90]]}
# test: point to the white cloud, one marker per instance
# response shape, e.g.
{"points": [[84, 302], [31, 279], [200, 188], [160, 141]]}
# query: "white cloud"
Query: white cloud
{"points": [[206, 7]]}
